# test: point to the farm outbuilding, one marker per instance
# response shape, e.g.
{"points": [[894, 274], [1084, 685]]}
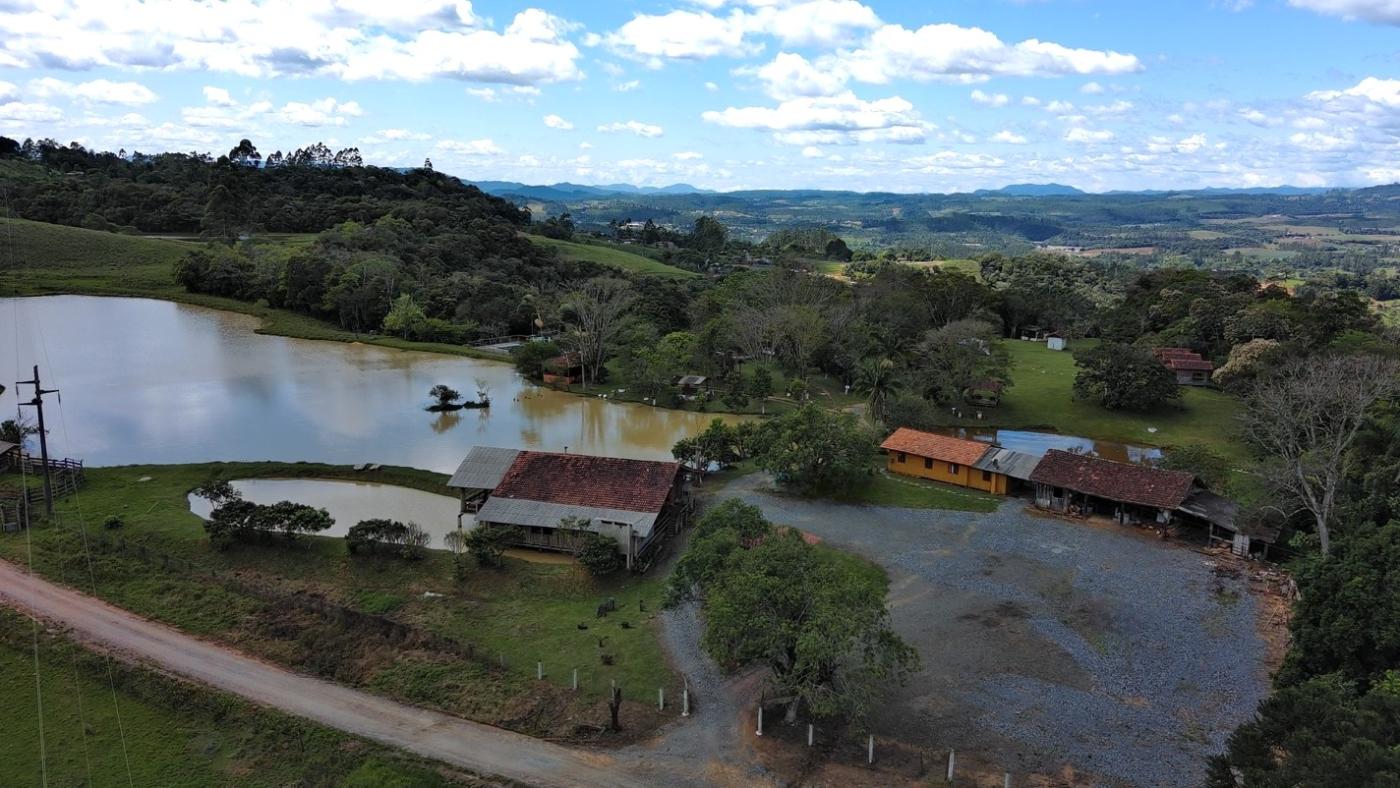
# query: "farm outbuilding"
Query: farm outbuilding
{"points": [[9, 456], [943, 458], [1056, 342], [637, 503], [1082, 485], [1188, 365]]}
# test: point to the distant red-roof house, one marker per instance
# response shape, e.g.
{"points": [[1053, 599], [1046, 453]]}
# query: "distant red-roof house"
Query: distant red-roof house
{"points": [[1188, 365], [635, 502]]}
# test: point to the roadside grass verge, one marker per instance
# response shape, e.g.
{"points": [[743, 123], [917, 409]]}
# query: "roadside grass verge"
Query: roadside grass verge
{"points": [[173, 733], [529, 612], [612, 257]]}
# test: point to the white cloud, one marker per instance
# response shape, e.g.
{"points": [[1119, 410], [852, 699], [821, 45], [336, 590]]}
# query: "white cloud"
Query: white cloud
{"points": [[16, 110], [695, 35], [687, 155], [990, 99], [394, 135], [485, 94], [812, 152], [948, 52], [349, 39], [1260, 118], [8, 90], [218, 97], [827, 119], [1009, 138], [481, 147], [712, 87], [556, 122], [791, 75], [1383, 11], [1370, 94], [1111, 108], [100, 91], [633, 127], [628, 87], [1058, 107], [1088, 136], [322, 112], [1091, 89]]}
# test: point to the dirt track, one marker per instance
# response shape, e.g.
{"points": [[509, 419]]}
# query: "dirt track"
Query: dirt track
{"points": [[479, 748]]}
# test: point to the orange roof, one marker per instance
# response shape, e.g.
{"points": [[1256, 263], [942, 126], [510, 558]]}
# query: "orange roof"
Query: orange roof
{"points": [[939, 447]]}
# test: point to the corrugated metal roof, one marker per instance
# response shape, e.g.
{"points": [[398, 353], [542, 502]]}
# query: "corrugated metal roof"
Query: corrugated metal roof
{"points": [[516, 511], [483, 468], [1017, 465], [5, 447]]}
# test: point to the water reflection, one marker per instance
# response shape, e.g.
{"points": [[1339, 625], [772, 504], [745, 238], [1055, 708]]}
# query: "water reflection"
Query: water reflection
{"points": [[155, 382], [1038, 443], [350, 502]]}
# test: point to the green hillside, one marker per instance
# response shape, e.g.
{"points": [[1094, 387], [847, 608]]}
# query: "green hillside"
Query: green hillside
{"points": [[91, 260], [612, 257]]}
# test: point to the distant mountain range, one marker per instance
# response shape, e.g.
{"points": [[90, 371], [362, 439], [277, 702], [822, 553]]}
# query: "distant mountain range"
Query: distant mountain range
{"points": [[574, 191]]}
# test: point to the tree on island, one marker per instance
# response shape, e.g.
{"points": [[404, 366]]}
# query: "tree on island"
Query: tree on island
{"points": [[446, 396]]}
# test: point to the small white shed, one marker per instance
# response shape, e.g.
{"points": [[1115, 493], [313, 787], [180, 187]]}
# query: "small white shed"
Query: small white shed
{"points": [[1056, 342]]}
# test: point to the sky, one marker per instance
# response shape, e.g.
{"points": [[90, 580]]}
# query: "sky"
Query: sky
{"points": [[873, 95]]}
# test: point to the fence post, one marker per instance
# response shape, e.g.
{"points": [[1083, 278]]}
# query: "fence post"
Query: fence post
{"points": [[575, 679], [870, 750], [760, 719], [1006, 780], [950, 766], [660, 699], [811, 734], [539, 671], [503, 659], [685, 700]]}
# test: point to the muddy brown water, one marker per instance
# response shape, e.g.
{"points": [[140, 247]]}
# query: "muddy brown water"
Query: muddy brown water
{"points": [[147, 381]]}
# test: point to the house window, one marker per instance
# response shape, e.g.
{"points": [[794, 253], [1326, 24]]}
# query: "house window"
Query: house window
{"points": [[928, 462], [901, 456], [986, 476], [953, 468]]}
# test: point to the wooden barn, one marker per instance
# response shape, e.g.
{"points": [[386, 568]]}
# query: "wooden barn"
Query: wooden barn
{"points": [[1082, 485], [1188, 365], [638, 503]]}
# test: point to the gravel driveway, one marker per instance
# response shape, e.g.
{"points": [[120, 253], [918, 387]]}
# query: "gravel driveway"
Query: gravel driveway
{"points": [[1049, 643]]}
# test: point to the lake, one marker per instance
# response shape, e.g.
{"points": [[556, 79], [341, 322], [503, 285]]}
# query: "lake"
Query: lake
{"points": [[148, 381]]}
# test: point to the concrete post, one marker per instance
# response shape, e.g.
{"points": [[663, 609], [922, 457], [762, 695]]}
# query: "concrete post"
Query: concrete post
{"points": [[539, 670], [950, 766], [685, 702], [660, 699], [575, 679], [760, 720], [810, 734], [1006, 780], [870, 750]]}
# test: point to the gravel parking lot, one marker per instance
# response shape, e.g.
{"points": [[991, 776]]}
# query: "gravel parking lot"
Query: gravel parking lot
{"points": [[1053, 647]]}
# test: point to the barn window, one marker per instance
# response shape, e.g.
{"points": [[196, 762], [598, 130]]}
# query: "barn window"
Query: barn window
{"points": [[953, 468], [928, 462], [901, 456], [986, 476]]}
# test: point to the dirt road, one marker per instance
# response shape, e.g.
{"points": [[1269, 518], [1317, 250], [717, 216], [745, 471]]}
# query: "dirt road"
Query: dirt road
{"points": [[479, 748]]}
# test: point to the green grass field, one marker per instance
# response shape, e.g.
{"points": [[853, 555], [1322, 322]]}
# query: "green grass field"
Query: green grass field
{"points": [[527, 611], [885, 489], [170, 733], [1042, 398], [612, 257]]}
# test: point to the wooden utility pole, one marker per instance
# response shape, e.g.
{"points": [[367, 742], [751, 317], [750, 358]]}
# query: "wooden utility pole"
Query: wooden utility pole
{"points": [[38, 404]]}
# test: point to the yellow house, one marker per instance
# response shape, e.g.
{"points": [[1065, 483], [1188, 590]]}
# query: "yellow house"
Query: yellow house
{"points": [[943, 458]]}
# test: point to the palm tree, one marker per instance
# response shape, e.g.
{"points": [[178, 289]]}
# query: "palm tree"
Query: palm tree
{"points": [[880, 381]]}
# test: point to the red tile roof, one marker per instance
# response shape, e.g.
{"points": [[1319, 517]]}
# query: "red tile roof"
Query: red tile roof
{"points": [[1190, 364], [940, 447], [1142, 485], [1173, 352], [583, 480]]}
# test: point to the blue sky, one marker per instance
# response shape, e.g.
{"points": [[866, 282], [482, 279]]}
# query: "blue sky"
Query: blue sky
{"points": [[728, 94]]}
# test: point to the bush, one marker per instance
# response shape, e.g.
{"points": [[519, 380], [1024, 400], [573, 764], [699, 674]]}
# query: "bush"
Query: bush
{"points": [[599, 555], [487, 543], [406, 539], [113, 522]]}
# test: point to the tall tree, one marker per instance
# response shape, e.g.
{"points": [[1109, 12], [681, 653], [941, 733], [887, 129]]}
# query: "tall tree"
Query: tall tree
{"points": [[1123, 377], [1304, 420], [597, 312]]}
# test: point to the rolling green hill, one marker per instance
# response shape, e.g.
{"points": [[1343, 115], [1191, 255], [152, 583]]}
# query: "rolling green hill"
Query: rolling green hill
{"points": [[612, 257], [91, 260]]}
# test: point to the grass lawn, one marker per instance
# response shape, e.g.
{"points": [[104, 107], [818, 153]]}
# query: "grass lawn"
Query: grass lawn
{"points": [[173, 733], [612, 256], [887, 489], [529, 611], [1042, 398]]}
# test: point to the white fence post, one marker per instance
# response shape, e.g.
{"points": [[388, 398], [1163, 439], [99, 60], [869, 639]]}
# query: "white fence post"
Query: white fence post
{"points": [[760, 719], [870, 750], [539, 670], [810, 734], [575, 679], [950, 766], [660, 699]]}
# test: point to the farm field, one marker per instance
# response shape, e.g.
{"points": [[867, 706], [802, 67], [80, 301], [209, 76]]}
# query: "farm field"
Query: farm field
{"points": [[525, 612], [172, 733], [613, 257]]}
